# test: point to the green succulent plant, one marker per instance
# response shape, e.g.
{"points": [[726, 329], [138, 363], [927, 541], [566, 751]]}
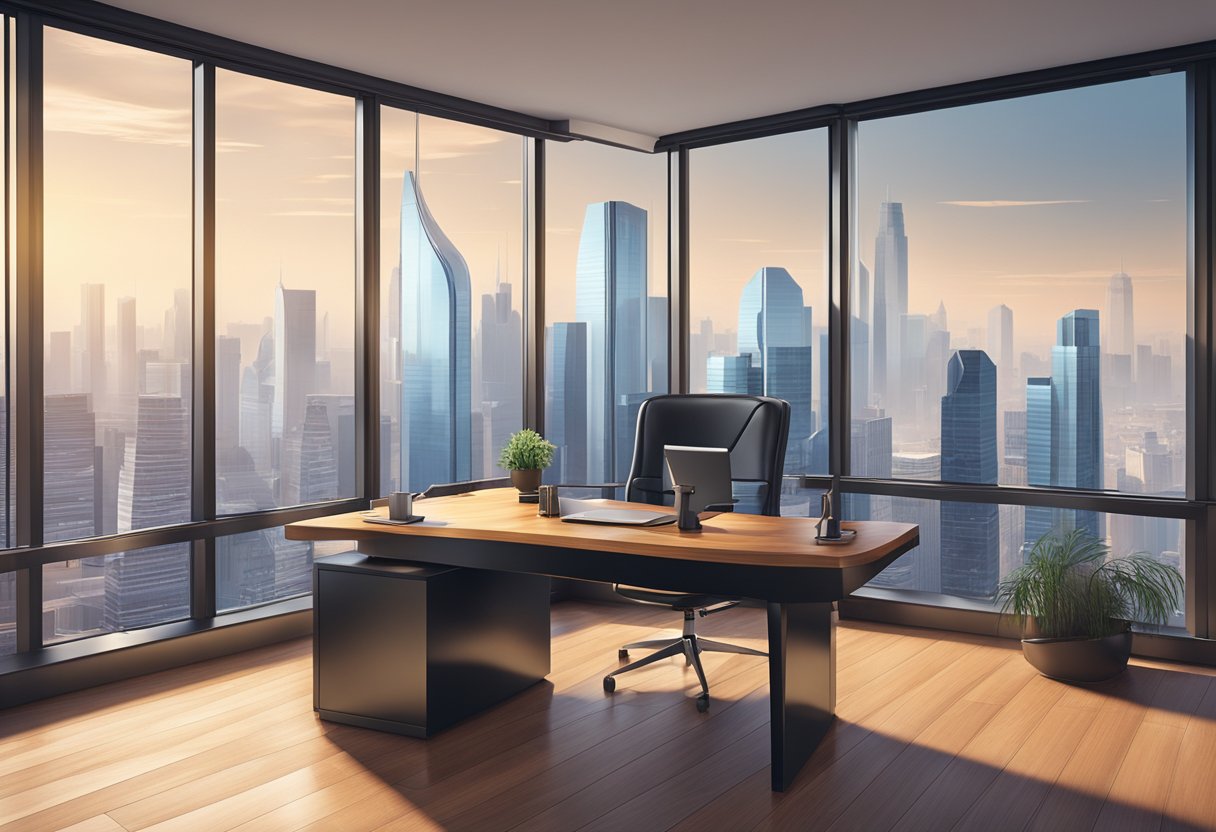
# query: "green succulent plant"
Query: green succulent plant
{"points": [[526, 450], [1073, 588]]}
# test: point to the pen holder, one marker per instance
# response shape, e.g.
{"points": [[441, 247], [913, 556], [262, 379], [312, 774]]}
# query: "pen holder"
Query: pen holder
{"points": [[686, 519]]}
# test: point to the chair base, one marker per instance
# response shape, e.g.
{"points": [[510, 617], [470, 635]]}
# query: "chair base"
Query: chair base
{"points": [[690, 645]]}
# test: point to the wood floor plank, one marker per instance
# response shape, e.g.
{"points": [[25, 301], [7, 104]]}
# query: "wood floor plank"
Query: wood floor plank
{"points": [[935, 731]]}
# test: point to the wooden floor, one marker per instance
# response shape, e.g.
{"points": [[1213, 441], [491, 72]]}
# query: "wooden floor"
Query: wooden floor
{"points": [[935, 732]]}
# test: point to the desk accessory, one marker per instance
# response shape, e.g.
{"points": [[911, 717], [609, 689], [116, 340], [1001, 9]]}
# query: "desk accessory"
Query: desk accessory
{"points": [[827, 530], [548, 503], [371, 517], [526, 455], [401, 505], [620, 517]]}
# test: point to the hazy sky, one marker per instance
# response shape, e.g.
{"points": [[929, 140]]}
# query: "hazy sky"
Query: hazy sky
{"points": [[1032, 202]]}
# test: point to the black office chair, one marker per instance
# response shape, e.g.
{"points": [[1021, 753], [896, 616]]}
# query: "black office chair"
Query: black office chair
{"points": [[755, 430]]}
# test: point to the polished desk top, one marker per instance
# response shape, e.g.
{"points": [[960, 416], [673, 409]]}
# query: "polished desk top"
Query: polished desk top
{"points": [[735, 539]]}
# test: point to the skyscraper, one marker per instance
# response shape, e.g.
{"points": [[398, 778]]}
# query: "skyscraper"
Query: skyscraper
{"points": [[566, 399], [128, 374], [295, 356], [611, 300], [971, 543], [436, 342], [227, 391], [1120, 313], [154, 483], [1000, 348], [500, 343], [656, 342], [1076, 396], [93, 337], [69, 468], [890, 295], [729, 374], [775, 331], [1039, 422]]}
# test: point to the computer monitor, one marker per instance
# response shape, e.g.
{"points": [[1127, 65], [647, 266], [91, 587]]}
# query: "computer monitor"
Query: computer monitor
{"points": [[707, 470]]}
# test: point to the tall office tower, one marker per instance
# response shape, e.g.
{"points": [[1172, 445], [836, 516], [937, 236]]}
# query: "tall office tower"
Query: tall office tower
{"points": [[1014, 456], [825, 383], [869, 456], [168, 378], [311, 468], [227, 391], [128, 373], [1150, 467], [1039, 421], [729, 374], [657, 343], [1000, 347], [1076, 395], [700, 345], [859, 360], [566, 399], [436, 341], [500, 339], [921, 568], [1120, 315], [1012, 472], [154, 484], [295, 356], [179, 329], [939, 319], [69, 467], [339, 412], [859, 297], [775, 330], [907, 394], [244, 569], [93, 337], [971, 535], [610, 298], [890, 295], [58, 375], [147, 586], [257, 402]]}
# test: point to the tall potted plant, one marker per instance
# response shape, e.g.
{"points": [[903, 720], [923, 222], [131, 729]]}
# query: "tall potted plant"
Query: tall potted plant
{"points": [[526, 455], [1081, 602]]}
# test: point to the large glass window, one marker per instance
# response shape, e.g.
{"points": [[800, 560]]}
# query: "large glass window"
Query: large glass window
{"points": [[758, 275], [606, 307], [263, 566], [1023, 282], [452, 284], [113, 593], [285, 295], [966, 549], [118, 312]]}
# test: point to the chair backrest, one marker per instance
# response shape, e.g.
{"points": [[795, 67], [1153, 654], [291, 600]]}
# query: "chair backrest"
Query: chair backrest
{"points": [[753, 428]]}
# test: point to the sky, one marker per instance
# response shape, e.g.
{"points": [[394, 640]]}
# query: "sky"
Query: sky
{"points": [[1032, 202]]}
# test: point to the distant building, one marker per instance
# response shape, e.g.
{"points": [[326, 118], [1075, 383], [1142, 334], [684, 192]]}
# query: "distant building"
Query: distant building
{"points": [[566, 399], [890, 296], [971, 545]]}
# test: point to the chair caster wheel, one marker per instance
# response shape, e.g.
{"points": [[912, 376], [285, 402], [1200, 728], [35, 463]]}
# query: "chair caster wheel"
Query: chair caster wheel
{"points": [[703, 703], [609, 684], [622, 653]]}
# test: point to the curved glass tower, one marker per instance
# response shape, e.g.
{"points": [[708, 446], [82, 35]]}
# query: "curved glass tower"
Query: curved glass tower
{"points": [[436, 411]]}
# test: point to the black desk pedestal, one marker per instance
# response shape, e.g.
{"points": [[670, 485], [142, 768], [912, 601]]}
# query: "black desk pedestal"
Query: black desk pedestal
{"points": [[414, 648]]}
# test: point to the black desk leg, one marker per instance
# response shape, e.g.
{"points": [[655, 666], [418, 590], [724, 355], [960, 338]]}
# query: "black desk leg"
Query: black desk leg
{"points": [[802, 683]]}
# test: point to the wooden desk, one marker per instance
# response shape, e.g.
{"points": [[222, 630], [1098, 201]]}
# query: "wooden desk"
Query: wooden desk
{"points": [[772, 559]]}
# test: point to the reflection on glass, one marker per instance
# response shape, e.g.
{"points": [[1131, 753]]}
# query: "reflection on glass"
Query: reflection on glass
{"points": [[606, 304], [263, 566], [1062, 263], [118, 311], [8, 613], [113, 593], [452, 233], [285, 293], [758, 301]]}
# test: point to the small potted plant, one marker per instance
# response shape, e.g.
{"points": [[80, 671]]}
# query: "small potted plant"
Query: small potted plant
{"points": [[526, 455], [1081, 602]]}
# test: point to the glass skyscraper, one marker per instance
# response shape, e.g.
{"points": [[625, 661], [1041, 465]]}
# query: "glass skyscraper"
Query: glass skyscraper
{"points": [[611, 300], [1076, 396], [436, 412], [970, 532], [890, 296]]}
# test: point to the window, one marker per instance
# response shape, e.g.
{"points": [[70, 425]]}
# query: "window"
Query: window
{"points": [[8, 613], [263, 566], [605, 304], [966, 549], [1023, 282], [113, 593], [758, 295], [285, 295], [452, 284], [118, 312]]}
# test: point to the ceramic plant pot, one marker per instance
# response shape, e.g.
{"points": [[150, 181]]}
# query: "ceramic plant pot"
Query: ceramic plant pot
{"points": [[526, 480], [1079, 659]]}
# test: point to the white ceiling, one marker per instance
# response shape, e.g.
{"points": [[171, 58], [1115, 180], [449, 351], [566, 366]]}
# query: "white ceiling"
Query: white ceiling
{"points": [[662, 66]]}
